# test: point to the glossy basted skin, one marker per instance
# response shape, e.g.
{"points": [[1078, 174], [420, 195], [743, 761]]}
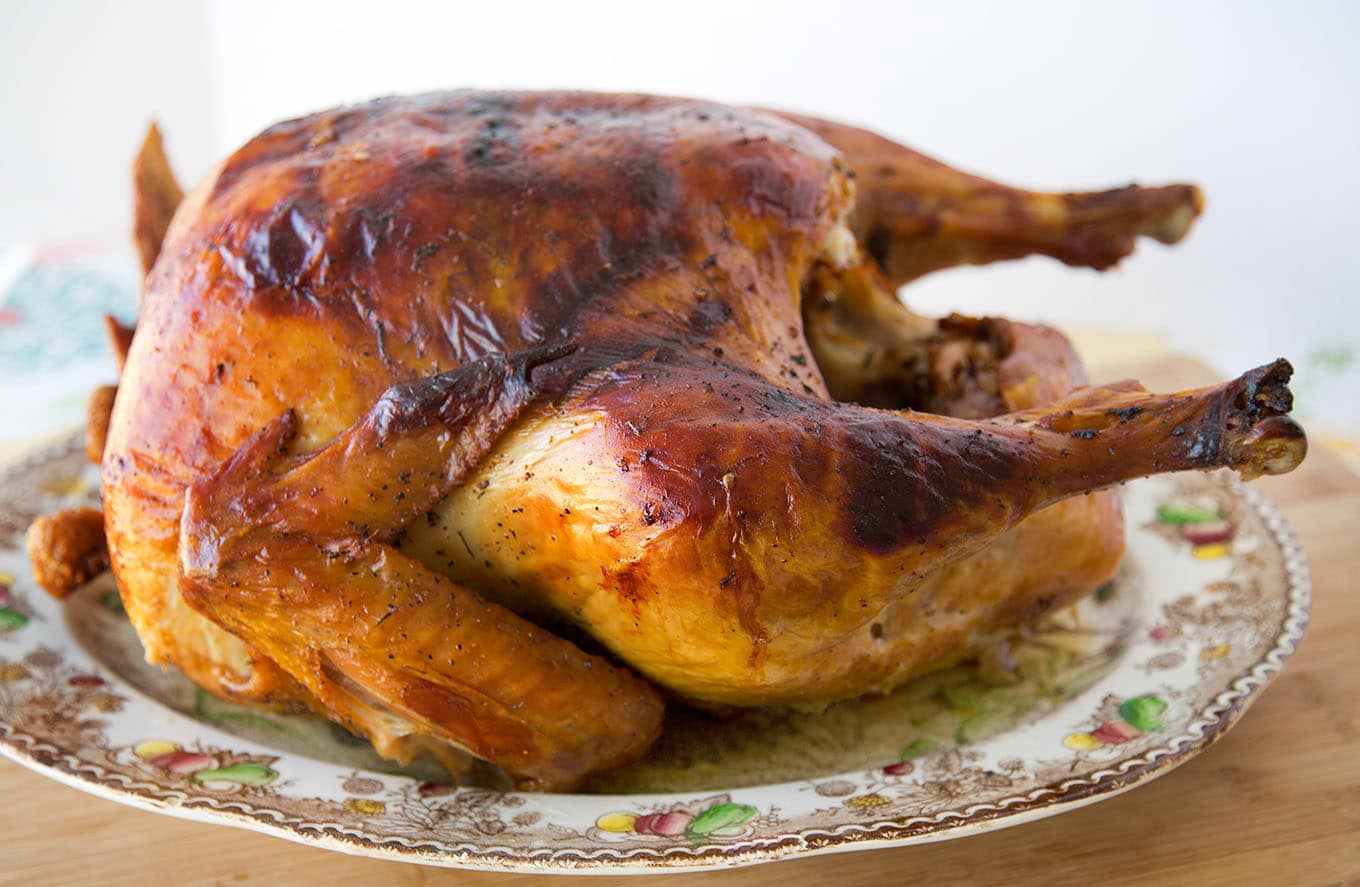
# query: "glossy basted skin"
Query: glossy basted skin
{"points": [[659, 466]]}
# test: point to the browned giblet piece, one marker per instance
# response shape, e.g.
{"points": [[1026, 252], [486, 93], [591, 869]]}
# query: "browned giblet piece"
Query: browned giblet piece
{"points": [[67, 549]]}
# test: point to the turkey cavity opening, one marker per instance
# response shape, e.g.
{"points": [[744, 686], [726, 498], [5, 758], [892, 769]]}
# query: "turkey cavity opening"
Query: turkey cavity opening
{"points": [[874, 350]]}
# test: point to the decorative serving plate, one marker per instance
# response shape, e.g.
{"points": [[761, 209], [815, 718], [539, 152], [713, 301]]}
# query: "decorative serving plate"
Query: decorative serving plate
{"points": [[1147, 672]]}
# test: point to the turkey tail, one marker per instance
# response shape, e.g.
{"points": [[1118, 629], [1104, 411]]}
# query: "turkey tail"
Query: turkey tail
{"points": [[156, 196]]}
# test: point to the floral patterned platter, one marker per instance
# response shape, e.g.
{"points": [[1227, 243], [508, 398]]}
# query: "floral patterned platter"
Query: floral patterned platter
{"points": [[1148, 671]]}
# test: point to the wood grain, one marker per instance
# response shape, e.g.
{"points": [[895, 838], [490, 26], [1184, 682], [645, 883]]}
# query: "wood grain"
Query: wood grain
{"points": [[1277, 801]]}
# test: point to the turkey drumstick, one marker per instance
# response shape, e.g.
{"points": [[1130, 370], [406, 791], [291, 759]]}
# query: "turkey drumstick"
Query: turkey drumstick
{"points": [[915, 214]]}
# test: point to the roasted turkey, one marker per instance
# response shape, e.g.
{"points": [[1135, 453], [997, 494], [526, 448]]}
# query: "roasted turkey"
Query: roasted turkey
{"points": [[483, 423]]}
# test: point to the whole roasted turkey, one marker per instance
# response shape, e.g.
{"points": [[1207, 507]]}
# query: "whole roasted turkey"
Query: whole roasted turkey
{"points": [[485, 422]]}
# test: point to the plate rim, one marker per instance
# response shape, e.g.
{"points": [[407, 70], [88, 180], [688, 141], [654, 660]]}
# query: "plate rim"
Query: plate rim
{"points": [[1211, 723]]}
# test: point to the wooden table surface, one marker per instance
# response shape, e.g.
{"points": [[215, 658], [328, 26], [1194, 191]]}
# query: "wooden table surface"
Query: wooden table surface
{"points": [[1277, 801]]}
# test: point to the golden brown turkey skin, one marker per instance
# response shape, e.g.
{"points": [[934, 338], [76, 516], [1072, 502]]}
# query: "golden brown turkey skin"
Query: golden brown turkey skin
{"points": [[666, 473]]}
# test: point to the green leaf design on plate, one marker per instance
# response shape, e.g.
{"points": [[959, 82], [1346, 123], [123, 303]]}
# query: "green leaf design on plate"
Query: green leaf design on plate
{"points": [[1180, 515], [226, 714], [981, 725], [961, 698], [723, 816], [246, 774], [258, 722], [1080, 680], [11, 619], [1144, 712], [110, 601]]}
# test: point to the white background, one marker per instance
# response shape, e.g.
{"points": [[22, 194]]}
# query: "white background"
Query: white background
{"points": [[1256, 102]]}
